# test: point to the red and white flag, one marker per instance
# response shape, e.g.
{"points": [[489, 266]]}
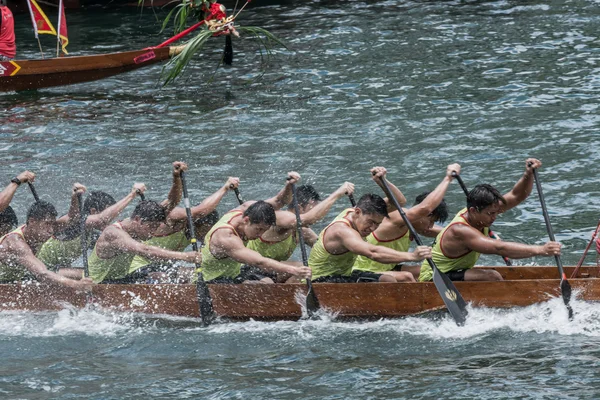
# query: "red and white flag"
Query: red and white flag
{"points": [[40, 21], [63, 37]]}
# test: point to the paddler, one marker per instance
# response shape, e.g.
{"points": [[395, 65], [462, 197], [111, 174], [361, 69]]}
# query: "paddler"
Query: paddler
{"points": [[120, 242], [173, 235], [18, 248], [458, 245], [8, 218], [343, 240], [393, 233], [280, 241], [8, 48], [225, 248], [100, 209]]}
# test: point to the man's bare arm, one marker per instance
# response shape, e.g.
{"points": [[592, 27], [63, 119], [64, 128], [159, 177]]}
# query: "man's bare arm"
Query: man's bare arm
{"points": [[208, 205], [379, 173], [355, 244], [485, 245], [125, 243], [102, 219], [284, 197], [22, 255], [523, 187], [9, 191]]}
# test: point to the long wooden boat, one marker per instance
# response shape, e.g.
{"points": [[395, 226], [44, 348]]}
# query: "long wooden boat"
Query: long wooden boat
{"points": [[524, 286], [19, 75]]}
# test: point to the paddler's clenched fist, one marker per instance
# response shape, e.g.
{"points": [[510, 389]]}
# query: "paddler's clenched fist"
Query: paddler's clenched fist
{"points": [[138, 188], [293, 177], [531, 164], [551, 249], [232, 183], [345, 190], [301, 272], [378, 173], [26, 177], [178, 167], [452, 168], [421, 253], [78, 188]]}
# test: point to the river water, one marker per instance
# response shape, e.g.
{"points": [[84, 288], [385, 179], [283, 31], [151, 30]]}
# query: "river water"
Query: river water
{"points": [[412, 86]]}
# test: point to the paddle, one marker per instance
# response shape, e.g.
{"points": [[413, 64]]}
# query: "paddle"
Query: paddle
{"points": [[450, 295], [580, 263], [228, 53], [238, 195], [565, 287], [202, 292], [352, 201], [490, 233], [33, 192], [312, 303], [83, 231], [142, 196]]}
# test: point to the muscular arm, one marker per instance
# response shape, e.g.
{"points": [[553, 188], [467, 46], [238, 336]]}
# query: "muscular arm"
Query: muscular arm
{"points": [[352, 241], [284, 197], [22, 255], [522, 188], [396, 193], [310, 237], [207, 206], [8, 193], [119, 240], [105, 217], [234, 248], [475, 241], [174, 196]]}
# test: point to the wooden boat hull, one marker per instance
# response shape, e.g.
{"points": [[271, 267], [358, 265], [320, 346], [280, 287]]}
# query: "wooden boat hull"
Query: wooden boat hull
{"points": [[19, 75], [272, 302]]}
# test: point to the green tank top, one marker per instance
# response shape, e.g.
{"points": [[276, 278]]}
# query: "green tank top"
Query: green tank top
{"points": [[110, 268], [279, 251], [176, 242], [445, 263], [322, 263], [366, 264], [213, 267], [13, 272], [60, 253]]}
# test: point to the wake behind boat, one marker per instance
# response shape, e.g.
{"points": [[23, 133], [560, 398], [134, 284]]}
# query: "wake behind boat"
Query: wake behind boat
{"points": [[19, 75], [523, 286]]}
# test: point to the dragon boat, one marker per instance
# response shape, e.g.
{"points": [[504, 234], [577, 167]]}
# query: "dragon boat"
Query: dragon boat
{"points": [[523, 286], [18, 75]]}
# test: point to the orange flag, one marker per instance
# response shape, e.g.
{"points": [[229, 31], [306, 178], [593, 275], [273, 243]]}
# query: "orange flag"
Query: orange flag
{"points": [[40, 21]]}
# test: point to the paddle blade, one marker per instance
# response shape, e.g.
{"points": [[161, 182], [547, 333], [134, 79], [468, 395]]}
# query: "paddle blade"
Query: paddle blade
{"points": [[312, 302], [204, 302], [456, 305], [565, 288], [228, 54]]}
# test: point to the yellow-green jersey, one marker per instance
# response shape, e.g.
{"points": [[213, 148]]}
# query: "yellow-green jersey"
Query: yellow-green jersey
{"points": [[13, 272], [176, 242], [60, 253], [442, 261], [213, 267], [116, 267], [323, 263], [279, 251], [363, 263]]}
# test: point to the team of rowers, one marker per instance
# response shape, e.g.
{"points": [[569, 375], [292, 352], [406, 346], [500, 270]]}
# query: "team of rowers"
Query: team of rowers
{"points": [[253, 243]]}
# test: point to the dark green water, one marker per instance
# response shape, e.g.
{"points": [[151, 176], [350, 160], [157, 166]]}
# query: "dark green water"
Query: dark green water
{"points": [[412, 86]]}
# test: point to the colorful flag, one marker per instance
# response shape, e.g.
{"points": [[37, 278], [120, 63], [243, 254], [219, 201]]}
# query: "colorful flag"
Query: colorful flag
{"points": [[40, 21], [63, 37]]}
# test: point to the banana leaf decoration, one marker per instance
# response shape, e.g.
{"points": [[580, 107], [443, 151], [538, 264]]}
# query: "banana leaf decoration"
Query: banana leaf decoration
{"points": [[216, 23]]}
